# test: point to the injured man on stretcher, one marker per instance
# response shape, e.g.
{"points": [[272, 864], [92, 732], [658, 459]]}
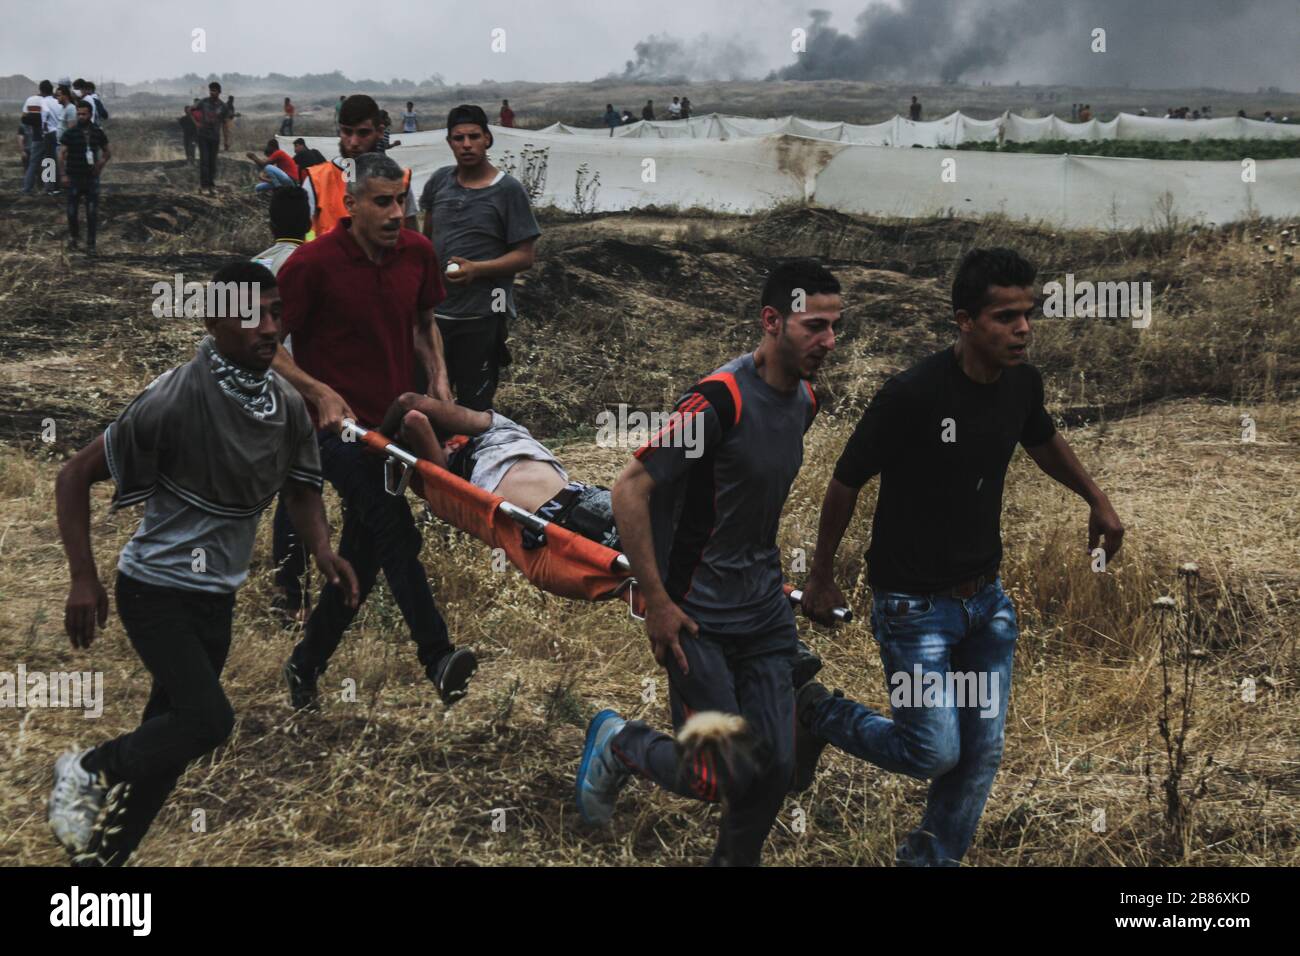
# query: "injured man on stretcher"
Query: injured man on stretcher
{"points": [[493, 453], [500, 456]]}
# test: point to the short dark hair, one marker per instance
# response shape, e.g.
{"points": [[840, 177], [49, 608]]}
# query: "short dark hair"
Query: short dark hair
{"points": [[245, 270], [373, 166], [46, 88], [806, 274], [409, 103], [214, 85], [290, 214], [90, 85], [981, 268], [358, 108], [300, 142], [84, 105], [467, 113], [272, 145]]}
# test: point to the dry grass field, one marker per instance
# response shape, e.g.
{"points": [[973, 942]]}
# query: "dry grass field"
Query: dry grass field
{"points": [[631, 308]]}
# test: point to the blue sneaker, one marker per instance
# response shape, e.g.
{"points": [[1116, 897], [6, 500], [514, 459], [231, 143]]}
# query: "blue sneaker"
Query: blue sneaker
{"points": [[601, 775]]}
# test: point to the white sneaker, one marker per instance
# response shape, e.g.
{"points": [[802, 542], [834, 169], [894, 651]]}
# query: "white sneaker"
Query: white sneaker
{"points": [[75, 802]]}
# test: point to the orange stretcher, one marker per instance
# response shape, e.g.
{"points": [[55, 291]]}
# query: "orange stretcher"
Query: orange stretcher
{"points": [[568, 565]]}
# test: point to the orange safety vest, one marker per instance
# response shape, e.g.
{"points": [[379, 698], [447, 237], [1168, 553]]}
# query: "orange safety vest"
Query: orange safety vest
{"points": [[328, 185]]}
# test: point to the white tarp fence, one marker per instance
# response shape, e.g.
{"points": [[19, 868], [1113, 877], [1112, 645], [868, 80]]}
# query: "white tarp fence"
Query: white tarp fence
{"points": [[952, 130], [754, 171]]}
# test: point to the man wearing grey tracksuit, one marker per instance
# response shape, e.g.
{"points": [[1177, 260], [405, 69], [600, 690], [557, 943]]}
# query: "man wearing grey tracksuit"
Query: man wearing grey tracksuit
{"points": [[698, 511]]}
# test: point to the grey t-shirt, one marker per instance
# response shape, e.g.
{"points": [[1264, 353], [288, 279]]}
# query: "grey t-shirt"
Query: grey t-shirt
{"points": [[477, 224], [189, 538], [494, 452], [719, 492]]}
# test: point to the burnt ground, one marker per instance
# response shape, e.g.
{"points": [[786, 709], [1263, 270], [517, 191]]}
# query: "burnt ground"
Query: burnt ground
{"points": [[632, 308]]}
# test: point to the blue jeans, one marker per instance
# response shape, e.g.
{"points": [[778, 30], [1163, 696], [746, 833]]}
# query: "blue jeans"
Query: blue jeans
{"points": [[278, 178], [944, 730], [35, 153]]}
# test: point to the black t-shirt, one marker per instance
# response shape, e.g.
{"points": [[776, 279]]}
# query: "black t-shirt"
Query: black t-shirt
{"points": [[85, 145], [941, 444], [306, 159]]}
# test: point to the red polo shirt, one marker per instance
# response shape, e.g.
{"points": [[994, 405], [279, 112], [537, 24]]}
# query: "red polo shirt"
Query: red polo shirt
{"points": [[286, 164], [353, 321]]}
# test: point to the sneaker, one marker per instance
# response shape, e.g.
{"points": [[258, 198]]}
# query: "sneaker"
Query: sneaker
{"points": [[302, 687], [75, 802], [805, 666], [601, 775], [808, 746], [451, 673]]}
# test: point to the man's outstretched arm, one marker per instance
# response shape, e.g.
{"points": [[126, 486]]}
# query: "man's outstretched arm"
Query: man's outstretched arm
{"points": [[87, 600], [1058, 461]]}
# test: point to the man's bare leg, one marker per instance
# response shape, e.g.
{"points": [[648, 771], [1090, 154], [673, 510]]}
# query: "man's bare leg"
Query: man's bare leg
{"points": [[417, 434]]}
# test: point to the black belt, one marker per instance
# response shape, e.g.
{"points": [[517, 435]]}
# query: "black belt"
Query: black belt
{"points": [[968, 588]]}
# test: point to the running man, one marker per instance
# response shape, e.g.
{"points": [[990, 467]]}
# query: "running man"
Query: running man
{"points": [[203, 491], [85, 153], [481, 222], [360, 132], [698, 508], [940, 435], [359, 304]]}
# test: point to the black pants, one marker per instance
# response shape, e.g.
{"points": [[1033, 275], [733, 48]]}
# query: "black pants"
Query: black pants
{"points": [[189, 146], [86, 188], [736, 674], [289, 555], [475, 352], [208, 161], [183, 638], [378, 532]]}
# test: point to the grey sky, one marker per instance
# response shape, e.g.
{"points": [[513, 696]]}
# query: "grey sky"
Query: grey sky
{"points": [[1234, 43]]}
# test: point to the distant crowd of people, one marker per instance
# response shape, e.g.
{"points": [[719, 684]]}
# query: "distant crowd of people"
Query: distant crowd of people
{"points": [[679, 108], [64, 146], [206, 126]]}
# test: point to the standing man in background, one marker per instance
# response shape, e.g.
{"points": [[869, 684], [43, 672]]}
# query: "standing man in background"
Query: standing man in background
{"points": [[360, 132], [210, 118], [507, 115], [85, 153], [480, 221]]}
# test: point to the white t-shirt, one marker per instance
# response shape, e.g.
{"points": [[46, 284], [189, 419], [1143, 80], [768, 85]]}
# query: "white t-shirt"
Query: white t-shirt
{"points": [[51, 115], [675, 109]]}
